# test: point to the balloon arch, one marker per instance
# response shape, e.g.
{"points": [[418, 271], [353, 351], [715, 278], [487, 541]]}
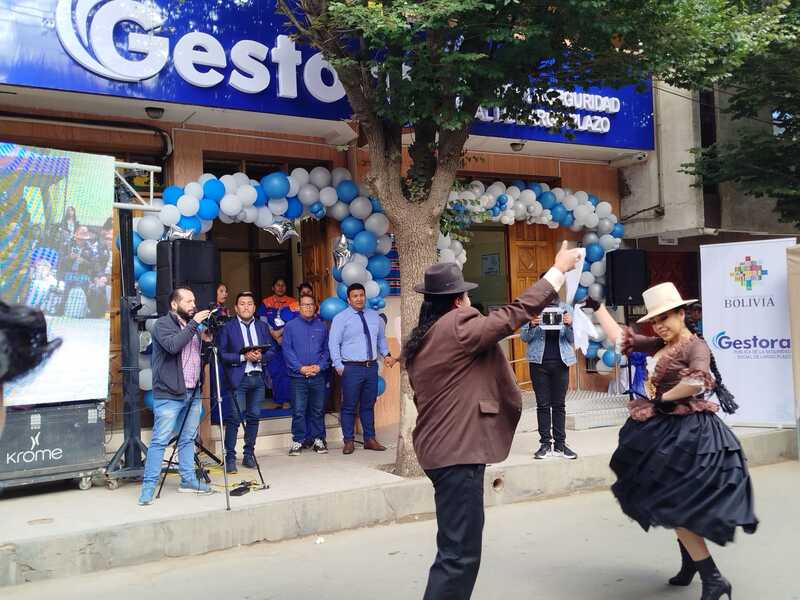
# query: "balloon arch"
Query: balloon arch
{"points": [[278, 200]]}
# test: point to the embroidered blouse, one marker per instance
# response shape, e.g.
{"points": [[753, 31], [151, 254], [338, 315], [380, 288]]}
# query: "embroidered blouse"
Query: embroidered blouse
{"points": [[688, 361]]}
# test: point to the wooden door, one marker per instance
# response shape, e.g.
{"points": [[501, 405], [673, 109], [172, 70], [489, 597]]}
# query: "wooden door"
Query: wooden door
{"points": [[314, 248]]}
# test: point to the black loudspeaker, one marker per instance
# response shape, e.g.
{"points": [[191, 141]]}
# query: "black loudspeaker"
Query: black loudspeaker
{"points": [[627, 277], [191, 263]]}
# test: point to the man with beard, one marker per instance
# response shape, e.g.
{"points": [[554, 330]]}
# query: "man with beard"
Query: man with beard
{"points": [[177, 375]]}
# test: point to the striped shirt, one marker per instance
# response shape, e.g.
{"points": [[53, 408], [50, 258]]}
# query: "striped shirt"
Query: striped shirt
{"points": [[190, 360]]}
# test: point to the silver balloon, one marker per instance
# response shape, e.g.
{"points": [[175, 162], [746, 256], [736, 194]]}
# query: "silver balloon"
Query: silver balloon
{"points": [[604, 227], [177, 233], [282, 230], [596, 292], [590, 238], [341, 253]]}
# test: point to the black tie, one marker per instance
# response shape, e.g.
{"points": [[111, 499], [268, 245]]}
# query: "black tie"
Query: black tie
{"points": [[249, 337], [370, 356]]}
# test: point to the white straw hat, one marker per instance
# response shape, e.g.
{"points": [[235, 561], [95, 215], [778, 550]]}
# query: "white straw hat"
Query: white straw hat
{"points": [[662, 298]]}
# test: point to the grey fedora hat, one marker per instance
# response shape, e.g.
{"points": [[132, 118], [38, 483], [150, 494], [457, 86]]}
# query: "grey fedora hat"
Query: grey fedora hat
{"points": [[444, 278]]}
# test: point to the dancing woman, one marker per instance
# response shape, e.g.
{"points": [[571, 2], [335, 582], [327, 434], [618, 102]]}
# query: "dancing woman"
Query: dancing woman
{"points": [[677, 464]]}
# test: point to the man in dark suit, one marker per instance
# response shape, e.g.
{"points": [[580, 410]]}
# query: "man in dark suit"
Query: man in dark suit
{"points": [[246, 376]]}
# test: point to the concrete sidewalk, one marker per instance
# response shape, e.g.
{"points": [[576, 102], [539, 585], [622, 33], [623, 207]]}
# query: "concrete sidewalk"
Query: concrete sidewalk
{"points": [[65, 532]]}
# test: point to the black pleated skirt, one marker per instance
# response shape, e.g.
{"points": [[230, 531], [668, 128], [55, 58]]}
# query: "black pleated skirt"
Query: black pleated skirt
{"points": [[684, 471]]}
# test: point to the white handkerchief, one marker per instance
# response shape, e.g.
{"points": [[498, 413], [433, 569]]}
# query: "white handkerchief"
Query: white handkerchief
{"points": [[574, 277], [583, 328]]}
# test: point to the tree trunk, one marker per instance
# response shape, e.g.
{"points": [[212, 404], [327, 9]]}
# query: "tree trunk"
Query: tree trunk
{"points": [[415, 235]]}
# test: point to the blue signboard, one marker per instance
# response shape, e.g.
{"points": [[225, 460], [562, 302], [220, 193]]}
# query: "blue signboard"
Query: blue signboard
{"points": [[234, 55]]}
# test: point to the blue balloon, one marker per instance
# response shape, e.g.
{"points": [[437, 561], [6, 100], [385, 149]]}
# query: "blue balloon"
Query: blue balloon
{"points": [[351, 226], [568, 220], [376, 205], [381, 385], [547, 199], [336, 272], [295, 208], [331, 307], [316, 207], [558, 211], [341, 291], [190, 223], [502, 200], [618, 231], [365, 243], [213, 189], [536, 188], [591, 351], [594, 252], [137, 239], [594, 199], [378, 303], [148, 399], [386, 289], [581, 293], [276, 185], [347, 191], [139, 268], [610, 358], [261, 196], [147, 284], [209, 210], [379, 266], [587, 266], [171, 194], [518, 183]]}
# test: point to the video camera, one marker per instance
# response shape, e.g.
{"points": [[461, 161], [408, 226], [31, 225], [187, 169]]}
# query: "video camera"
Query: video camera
{"points": [[215, 320]]}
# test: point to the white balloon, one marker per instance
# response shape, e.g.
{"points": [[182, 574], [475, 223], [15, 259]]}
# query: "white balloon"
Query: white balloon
{"points": [[361, 208], [488, 201], [506, 220], [604, 226], [443, 242], [308, 194], [150, 227], [339, 211], [372, 289], [294, 187], [206, 225], [607, 241], [596, 292], [320, 177], [477, 187], [147, 251], [447, 256], [146, 380], [169, 215], [205, 177], [384, 245], [496, 189], [363, 190], [559, 193], [229, 181], [278, 206], [513, 192], [536, 208], [300, 175], [148, 306], [457, 247], [247, 194], [265, 218], [581, 196], [520, 212], [157, 202], [241, 179], [354, 273], [592, 220], [582, 212], [467, 195], [598, 268], [230, 204], [250, 214], [576, 226], [188, 205], [227, 219], [377, 223], [603, 209], [193, 189], [328, 196], [570, 202], [340, 174], [359, 259], [587, 279]]}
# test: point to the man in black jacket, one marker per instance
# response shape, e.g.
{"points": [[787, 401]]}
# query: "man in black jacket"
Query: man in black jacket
{"points": [[177, 375]]}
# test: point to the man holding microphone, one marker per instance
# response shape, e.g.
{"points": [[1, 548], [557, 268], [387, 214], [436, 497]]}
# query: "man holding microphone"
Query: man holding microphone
{"points": [[177, 375]]}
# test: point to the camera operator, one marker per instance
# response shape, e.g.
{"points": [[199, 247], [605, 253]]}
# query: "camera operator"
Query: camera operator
{"points": [[247, 376], [177, 375], [550, 354]]}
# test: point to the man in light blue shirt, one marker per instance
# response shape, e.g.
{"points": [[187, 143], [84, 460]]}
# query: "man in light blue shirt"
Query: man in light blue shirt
{"points": [[357, 341]]}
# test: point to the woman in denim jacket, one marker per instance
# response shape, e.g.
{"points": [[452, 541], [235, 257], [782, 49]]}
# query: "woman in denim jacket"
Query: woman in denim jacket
{"points": [[550, 355]]}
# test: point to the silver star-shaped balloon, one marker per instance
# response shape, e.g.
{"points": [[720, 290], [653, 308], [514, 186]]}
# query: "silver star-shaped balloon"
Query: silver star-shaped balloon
{"points": [[177, 233], [282, 230], [341, 253]]}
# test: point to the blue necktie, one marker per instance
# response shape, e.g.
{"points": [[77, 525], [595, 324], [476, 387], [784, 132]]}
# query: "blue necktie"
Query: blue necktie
{"points": [[250, 339], [370, 356]]}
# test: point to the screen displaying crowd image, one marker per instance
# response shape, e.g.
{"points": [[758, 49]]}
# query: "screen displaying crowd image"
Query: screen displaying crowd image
{"points": [[56, 243]]}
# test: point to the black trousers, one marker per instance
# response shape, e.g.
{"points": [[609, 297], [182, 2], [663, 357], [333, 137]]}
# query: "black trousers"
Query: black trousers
{"points": [[458, 492], [550, 382]]}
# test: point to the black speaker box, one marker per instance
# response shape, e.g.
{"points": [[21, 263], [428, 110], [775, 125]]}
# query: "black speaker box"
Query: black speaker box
{"points": [[190, 263], [627, 277]]}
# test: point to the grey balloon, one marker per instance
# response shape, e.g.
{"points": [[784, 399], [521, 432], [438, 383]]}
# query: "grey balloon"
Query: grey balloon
{"points": [[590, 238], [596, 292], [604, 227]]}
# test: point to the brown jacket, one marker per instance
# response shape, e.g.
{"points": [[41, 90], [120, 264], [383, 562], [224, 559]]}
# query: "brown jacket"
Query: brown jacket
{"points": [[467, 396]]}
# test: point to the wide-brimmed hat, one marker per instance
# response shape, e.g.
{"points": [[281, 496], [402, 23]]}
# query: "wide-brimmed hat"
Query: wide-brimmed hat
{"points": [[444, 278], [662, 298]]}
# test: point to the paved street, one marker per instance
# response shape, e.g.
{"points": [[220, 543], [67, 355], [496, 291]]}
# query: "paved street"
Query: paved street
{"points": [[568, 548]]}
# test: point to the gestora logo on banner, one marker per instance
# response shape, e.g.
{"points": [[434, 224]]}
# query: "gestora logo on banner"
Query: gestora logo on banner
{"points": [[86, 31]]}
